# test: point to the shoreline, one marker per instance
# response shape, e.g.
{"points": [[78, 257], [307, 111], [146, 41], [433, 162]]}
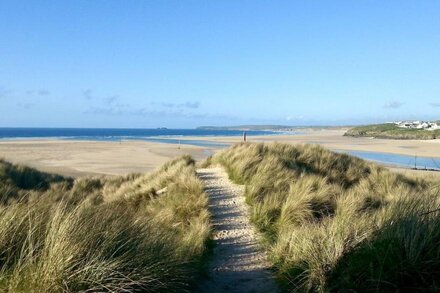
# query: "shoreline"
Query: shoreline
{"points": [[79, 157], [332, 139]]}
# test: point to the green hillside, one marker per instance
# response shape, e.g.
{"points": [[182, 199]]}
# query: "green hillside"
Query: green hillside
{"points": [[390, 130]]}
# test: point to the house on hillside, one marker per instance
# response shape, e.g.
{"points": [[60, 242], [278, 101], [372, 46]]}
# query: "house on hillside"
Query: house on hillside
{"points": [[425, 125]]}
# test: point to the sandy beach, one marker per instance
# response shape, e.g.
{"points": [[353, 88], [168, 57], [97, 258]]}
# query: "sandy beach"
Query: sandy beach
{"points": [[78, 158]]}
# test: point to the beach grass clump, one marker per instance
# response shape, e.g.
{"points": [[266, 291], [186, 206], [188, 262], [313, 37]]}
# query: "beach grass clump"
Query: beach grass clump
{"points": [[113, 234], [18, 181], [333, 222]]}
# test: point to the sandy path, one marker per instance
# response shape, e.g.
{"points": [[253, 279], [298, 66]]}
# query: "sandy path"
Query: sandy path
{"points": [[238, 264]]}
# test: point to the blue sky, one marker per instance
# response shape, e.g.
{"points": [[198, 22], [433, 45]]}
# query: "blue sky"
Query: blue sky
{"points": [[105, 63]]}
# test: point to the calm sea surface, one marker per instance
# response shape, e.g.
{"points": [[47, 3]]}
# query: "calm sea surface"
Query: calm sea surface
{"points": [[107, 134], [117, 134]]}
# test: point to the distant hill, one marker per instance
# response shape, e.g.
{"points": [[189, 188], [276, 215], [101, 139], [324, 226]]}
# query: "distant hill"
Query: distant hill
{"points": [[248, 127], [392, 131], [265, 127]]}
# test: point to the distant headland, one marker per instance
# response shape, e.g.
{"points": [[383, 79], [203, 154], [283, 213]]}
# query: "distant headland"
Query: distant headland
{"points": [[398, 130], [268, 127]]}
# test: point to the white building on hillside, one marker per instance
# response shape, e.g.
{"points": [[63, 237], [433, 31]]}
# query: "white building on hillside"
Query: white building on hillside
{"points": [[426, 125]]}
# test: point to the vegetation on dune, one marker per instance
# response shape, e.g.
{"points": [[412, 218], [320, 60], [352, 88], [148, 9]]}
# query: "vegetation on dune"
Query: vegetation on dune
{"points": [[136, 233], [18, 181], [333, 222], [390, 130]]}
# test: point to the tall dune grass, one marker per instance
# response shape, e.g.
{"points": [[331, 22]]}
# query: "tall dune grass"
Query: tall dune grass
{"points": [[117, 234], [333, 222]]}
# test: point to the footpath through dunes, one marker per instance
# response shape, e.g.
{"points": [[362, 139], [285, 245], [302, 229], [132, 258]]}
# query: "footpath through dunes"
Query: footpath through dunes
{"points": [[238, 264]]}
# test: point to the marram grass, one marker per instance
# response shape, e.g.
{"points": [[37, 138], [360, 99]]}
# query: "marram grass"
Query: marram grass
{"points": [[114, 234], [336, 223], [332, 223]]}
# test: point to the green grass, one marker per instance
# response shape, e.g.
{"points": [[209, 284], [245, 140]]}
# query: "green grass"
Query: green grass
{"points": [[333, 222], [117, 234], [390, 130]]}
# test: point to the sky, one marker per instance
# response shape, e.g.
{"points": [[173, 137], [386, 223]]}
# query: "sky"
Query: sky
{"points": [[182, 64]]}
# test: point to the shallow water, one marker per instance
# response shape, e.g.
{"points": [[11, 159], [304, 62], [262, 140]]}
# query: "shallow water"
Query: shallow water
{"points": [[397, 160]]}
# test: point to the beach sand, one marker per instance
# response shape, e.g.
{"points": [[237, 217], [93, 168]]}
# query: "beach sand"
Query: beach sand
{"points": [[79, 158]]}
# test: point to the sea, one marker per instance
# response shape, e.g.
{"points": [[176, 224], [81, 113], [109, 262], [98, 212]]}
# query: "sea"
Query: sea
{"points": [[111, 134], [163, 135]]}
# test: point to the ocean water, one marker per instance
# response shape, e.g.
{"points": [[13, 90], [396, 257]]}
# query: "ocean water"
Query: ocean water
{"points": [[397, 160], [108, 134]]}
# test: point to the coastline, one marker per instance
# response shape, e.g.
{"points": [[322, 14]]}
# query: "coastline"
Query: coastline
{"points": [[88, 157]]}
